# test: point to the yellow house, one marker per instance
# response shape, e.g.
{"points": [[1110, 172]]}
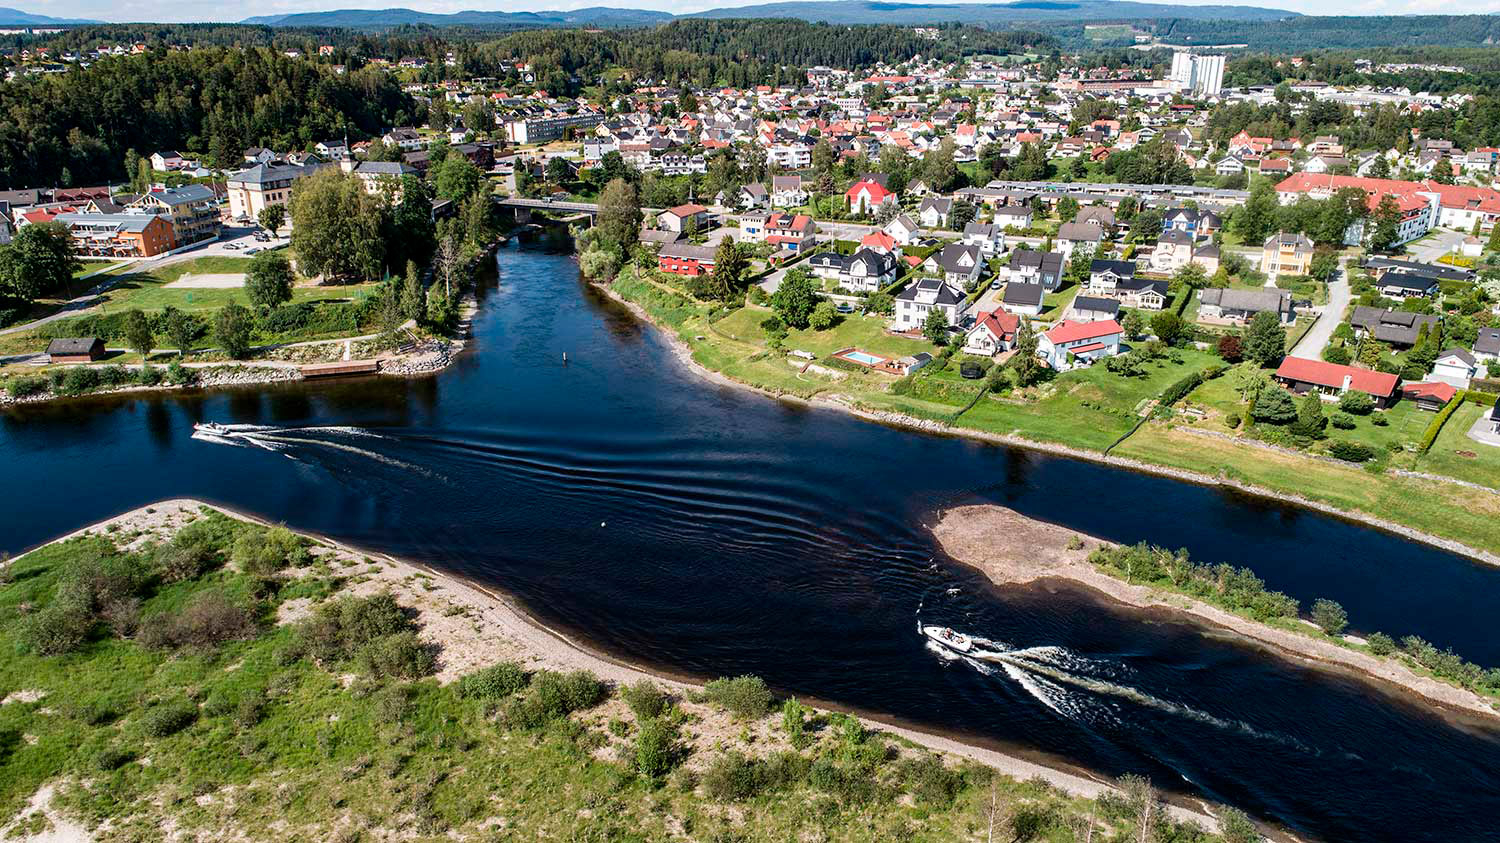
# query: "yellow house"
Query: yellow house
{"points": [[1289, 254]]}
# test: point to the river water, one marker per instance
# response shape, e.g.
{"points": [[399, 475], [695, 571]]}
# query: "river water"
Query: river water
{"points": [[709, 531]]}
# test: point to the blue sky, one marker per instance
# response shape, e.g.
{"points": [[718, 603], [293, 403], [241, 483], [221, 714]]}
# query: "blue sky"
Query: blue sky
{"points": [[231, 10]]}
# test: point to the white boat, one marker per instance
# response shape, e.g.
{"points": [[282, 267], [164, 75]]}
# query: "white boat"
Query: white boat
{"points": [[211, 427], [948, 638]]}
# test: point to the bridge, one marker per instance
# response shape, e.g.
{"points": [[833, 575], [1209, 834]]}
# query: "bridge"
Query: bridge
{"points": [[523, 207]]}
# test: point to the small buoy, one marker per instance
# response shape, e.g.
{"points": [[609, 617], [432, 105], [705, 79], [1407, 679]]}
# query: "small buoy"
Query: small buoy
{"points": [[601, 523], [565, 356]]}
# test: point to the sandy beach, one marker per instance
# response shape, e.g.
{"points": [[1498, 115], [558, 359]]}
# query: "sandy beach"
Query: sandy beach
{"points": [[1013, 549]]}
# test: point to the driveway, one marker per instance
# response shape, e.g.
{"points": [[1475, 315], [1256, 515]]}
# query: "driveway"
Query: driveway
{"points": [[1441, 242], [1311, 346]]}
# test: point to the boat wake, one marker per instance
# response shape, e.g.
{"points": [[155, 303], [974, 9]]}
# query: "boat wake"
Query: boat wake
{"points": [[284, 440], [1055, 676]]}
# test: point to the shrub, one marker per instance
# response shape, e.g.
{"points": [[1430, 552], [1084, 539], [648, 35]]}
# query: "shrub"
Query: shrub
{"points": [[1381, 644], [645, 699], [494, 682], [554, 695], [731, 777], [190, 553], [112, 758], [1341, 420], [1380, 421], [1329, 616], [249, 712], [744, 696], [212, 619], [264, 552], [400, 654], [26, 385], [1232, 421], [167, 719], [930, 781], [338, 630], [1357, 403], [1351, 451], [59, 628], [180, 375], [655, 748], [792, 723]]}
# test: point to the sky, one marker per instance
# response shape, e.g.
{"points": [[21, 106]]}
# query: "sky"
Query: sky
{"points": [[234, 10]]}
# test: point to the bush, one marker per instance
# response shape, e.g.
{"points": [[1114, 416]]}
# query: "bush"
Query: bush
{"points": [[1381, 644], [731, 777], [645, 699], [401, 654], [264, 552], [1380, 421], [744, 696], [792, 723], [930, 782], [655, 748], [112, 758], [338, 630], [1329, 616], [1232, 421], [167, 719], [1351, 451], [209, 620], [59, 628], [494, 682], [26, 386], [191, 553], [1341, 420], [555, 695], [1357, 403]]}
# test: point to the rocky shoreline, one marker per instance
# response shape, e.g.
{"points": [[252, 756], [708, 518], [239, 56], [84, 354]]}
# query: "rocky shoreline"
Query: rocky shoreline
{"points": [[685, 355], [1014, 549]]}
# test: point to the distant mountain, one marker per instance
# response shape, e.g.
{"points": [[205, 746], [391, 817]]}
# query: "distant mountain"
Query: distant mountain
{"points": [[16, 17], [383, 18], [1023, 11]]}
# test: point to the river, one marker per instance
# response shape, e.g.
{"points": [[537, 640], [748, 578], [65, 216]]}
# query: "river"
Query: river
{"points": [[709, 531]]}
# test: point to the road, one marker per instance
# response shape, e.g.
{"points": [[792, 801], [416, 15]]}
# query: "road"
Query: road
{"points": [[1311, 346]]}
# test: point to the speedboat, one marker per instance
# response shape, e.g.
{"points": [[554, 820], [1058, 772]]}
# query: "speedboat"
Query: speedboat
{"points": [[211, 427], [948, 638]]}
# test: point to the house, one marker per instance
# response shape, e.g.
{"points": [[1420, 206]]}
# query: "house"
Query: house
{"points": [[1174, 250], [880, 242], [787, 192], [333, 150], [1013, 216], [1072, 344], [752, 195], [683, 218], [864, 271], [192, 210], [1331, 380], [1022, 298], [252, 189], [1455, 366], [1229, 165], [1218, 304], [1045, 268], [1379, 265], [868, 194], [1403, 285], [75, 350], [134, 235], [1207, 256], [924, 295], [959, 263], [1286, 254], [1071, 235], [902, 229], [1097, 215], [989, 238], [1092, 309], [164, 161], [1487, 345], [991, 333], [1192, 221], [1431, 397], [1395, 327], [790, 233], [405, 139], [1106, 276], [686, 259], [934, 211], [379, 176]]}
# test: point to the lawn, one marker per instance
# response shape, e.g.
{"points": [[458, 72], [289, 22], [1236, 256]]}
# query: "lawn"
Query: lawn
{"points": [[1454, 454], [1056, 303], [851, 330]]}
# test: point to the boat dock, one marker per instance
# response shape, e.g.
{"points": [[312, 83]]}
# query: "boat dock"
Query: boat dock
{"points": [[340, 367]]}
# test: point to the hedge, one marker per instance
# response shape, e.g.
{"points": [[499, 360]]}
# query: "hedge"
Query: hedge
{"points": [[1464, 396]]}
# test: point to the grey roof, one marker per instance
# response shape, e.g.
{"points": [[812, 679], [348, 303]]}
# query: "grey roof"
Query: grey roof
{"points": [[1289, 238], [120, 222], [941, 204], [1124, 269], [1247, 301], [72, 345], [1079, 232], [947, 294], [1022, 294], [792, 182], [1046, 262], [1175, 237], [979, 229], [1096, 304], [384, 168], [947, 259], [1460, 354], [1393, 326], [1096, 215], [1488, 341], [1406, 281], [1452, 273], [688, 251], [184, 194]]}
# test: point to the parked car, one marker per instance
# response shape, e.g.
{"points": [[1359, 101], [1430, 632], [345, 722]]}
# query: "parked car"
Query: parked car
{"points": [[844, 307]]}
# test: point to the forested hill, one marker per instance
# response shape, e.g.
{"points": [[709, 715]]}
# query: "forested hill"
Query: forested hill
{"points": [[990, 14], [1336, 33], [74, 128], [385, 18]]}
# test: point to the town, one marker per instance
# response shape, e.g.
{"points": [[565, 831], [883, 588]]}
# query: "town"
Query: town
{"points": [[1263, 275]]}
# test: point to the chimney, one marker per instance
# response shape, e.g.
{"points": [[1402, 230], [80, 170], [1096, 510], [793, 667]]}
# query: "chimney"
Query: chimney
{"points": [[1348, 379]]}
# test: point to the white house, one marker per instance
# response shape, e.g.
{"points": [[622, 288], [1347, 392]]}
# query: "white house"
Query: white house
{"points": [[991, 333], [934, 211], [864, 271], [989, 238], [164, 161], [923, 296], [959, 264], [787, 192], [1073, 344], [1455, 366], [902, 229]]}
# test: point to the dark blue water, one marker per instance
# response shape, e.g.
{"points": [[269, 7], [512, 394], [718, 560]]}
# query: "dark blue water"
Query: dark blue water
{"points": [[709, 532]]}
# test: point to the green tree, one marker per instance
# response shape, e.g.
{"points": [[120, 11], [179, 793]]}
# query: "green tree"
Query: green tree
{"points": [[133, 171], [181, 328], [413, 297], [1167, 326], [1265, 341], [1274, 406], [1257, 219], [935, 326], [272, 217], [795, 299], [336, 226], [1380, 168], [1386, 220], [731, 270], [38, 261], [619, 220], [1191, 276], [1067, 209], [231, 331], [138, 332], [1325, 264], [961, 214], [939, 169], [1329, 616], [1371, 352], [269, 280], [1133, 324], [456, 178], [823, 316], [1025, 365], [1310, 419], [1080, 263]]}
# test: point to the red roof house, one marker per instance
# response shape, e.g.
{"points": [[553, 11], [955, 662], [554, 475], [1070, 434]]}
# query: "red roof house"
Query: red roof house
{"points": [[1301, 375]]}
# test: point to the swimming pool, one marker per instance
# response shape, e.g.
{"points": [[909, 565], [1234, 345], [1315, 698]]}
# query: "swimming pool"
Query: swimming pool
{"points": [[863, 357]]}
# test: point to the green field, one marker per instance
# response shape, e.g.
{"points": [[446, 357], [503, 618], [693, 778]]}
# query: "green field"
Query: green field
{"points": [[1454, 454]]}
